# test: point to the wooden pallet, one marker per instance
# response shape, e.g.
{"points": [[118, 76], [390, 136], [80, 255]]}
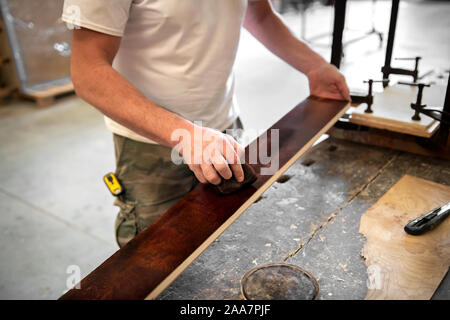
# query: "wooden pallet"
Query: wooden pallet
{"points": [[44, 98], [159, 254]]}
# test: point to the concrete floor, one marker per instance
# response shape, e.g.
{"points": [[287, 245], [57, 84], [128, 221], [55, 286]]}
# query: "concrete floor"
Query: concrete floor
{"points": [[56, 210]]}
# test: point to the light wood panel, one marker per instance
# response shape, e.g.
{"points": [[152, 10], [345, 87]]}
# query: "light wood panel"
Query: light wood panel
{"points": [[39, 43], [392, 110], [402, 266]]}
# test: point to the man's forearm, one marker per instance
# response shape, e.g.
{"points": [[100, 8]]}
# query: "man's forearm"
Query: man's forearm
{"points": [[113, 95], [268, 27]]}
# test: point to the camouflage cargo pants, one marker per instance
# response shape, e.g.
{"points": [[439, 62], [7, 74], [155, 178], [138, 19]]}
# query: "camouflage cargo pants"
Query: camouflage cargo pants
{"points": [[152, 184]]}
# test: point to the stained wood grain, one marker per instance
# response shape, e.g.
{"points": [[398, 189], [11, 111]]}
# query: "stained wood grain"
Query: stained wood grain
{"points": [[403, 266], [392, 110], [154, 258]]}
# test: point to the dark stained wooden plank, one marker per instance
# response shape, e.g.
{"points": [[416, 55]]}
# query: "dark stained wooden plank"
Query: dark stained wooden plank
{"points": [[154, 258]]}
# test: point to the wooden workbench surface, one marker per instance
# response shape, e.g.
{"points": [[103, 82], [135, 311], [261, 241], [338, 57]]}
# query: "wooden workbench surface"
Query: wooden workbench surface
{"points": [[311, 220]]}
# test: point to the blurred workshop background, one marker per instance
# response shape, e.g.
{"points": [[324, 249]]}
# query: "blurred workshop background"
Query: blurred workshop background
{"points": [[54, 148]]}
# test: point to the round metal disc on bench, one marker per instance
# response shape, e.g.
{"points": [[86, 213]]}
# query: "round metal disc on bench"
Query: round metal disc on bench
{"points": [[279, 281]]}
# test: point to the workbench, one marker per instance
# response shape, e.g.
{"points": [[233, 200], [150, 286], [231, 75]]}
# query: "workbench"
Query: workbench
{"points": [[309, 218]]}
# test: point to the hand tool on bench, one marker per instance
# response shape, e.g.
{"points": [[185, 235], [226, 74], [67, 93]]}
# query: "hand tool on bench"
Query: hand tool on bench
{"points": [[428, 221]]}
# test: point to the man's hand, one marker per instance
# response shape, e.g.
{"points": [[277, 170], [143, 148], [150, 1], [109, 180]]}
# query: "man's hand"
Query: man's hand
{"points": [[212, 155], [268, 27], [326, 81]]}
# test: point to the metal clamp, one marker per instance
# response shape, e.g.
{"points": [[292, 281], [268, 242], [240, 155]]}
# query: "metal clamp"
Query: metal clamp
{"points": [[368, 99], [387, 70], [419, 108]]}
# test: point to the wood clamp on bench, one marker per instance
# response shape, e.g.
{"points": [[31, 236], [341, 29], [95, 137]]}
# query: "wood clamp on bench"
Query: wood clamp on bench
{"points": [[418, 107]]}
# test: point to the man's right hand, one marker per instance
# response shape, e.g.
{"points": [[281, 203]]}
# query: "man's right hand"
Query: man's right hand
{"points": [[92, 56], [212, 155]]}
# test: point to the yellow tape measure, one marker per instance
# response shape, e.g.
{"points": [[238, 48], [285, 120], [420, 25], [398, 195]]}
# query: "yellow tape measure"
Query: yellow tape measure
{"points": [[113, 184]]}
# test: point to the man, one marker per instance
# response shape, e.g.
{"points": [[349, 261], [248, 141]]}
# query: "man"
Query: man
{"points": [[155, 66]]}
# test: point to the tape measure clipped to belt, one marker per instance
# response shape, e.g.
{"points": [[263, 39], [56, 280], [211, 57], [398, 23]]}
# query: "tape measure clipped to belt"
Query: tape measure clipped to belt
{"points": [[113, 184]]}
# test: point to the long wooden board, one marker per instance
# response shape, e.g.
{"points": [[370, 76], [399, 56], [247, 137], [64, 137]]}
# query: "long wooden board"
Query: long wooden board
{"points": [[403, 266], [392, 110], [154, 258]]}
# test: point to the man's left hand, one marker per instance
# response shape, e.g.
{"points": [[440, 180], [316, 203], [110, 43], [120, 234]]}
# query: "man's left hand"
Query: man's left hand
{"points": [[326, 81]]}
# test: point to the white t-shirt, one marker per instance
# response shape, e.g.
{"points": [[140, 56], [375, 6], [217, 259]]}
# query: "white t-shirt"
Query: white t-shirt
{"points": [[178, 53]]}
